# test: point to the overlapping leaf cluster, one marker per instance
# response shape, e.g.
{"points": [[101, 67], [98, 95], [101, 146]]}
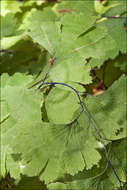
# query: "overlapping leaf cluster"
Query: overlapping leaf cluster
{"points": [[37, 139]]}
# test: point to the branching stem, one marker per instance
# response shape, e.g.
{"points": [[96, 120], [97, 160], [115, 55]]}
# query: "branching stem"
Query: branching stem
{"points": [[84, 109]]}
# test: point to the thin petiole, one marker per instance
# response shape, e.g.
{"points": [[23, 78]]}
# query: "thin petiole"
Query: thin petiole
{"points": [[42, 81], [84, 109], [76, 119]]}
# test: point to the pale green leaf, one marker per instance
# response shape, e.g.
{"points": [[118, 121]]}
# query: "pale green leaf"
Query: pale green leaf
{"points": [[117, 31], [106, 181], [7, 42], [49, 35], [15, 80], [101, 8], [110, 104], [77, 24], [118, 10], [53, 147], [3, 153], [61, 105], [85, 7], [72, 71], [10, 32], [15, 100], [8, 6]]}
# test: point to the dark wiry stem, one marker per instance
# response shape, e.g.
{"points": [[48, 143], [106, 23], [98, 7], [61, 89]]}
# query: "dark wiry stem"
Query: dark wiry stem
{"points": [[102, 140], [46, 75], [42, 81], [84, 109]]}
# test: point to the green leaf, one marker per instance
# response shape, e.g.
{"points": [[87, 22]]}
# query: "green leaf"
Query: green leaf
{"points": [[15, 80], [32, 24], [68, 144], [85, 7], [71, 67], [74, 51], [51, 37], [94, 43], [53, 147], [20, 100], [59, 100], [97, 62], [38, 137], [101, 8], [30, 137], [72, 71], [108, 105], [13, 165], [10, 32], [107, 180], [17, 99], [8, 163], [3, 153], [77, 24], [7, 42], [117, 31], [79, 149], [10, 7], [116, 27], [118, 10], [9, 25]]}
